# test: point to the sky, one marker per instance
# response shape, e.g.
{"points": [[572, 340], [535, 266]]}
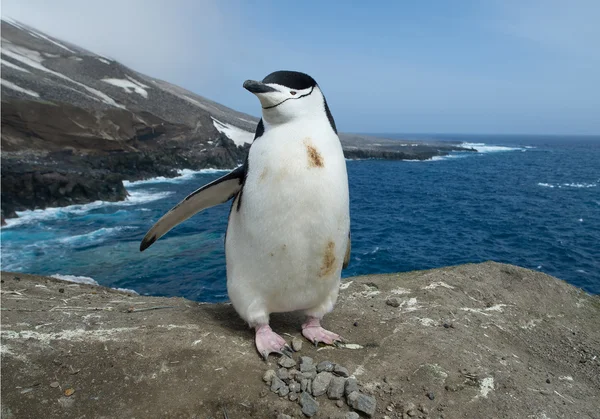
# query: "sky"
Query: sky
{"points": [[494, 66]]}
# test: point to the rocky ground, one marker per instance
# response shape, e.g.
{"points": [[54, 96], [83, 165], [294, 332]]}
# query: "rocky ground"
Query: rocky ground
{"points": [[472, 341]]}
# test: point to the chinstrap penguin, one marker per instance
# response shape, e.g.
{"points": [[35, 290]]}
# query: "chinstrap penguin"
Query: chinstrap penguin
{"points": [[288, 236]]}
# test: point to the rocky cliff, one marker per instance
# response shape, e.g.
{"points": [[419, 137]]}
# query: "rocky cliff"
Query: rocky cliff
{"points": [[473, 341], [74, 124]]}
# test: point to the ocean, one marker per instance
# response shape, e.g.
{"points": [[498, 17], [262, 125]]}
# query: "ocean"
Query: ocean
{"points": [[532, 201]]}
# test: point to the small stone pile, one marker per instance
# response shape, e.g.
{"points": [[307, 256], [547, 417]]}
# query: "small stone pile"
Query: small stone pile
{"points": [[303, 382]]}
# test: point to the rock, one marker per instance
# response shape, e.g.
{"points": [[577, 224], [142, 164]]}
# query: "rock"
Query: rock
{"points": [[339, 403], [293, 397], [430, 395], [283, 416], [309, 405], [307, 364], [286, 362], [54, 384], [393, 301], [306, 385], [276, 384], [335, 391], [339, 370], [351, 415], [411, 412], [309, 374], [325, 366], [283, 391], [320, 383], [268, 376], [296, 344], [362, 402], [351, 386], [283, 374], [295, 387]]}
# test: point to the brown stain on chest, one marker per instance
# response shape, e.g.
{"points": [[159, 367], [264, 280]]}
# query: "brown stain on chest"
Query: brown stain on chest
{"points": [[314, 157], [328, 263], [263, 175]]}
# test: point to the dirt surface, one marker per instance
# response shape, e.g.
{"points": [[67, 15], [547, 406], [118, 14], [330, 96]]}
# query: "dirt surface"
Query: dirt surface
{"points": [[472, 341]]}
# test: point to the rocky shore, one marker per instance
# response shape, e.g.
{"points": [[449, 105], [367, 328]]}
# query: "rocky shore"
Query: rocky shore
{"points": [[484, 340]]}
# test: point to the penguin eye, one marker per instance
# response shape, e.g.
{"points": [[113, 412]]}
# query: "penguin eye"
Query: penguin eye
{"points": [[292, 93]]}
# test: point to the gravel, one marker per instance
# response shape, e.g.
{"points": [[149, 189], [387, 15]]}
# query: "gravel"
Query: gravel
{"points": [[283, 374], [309, 405], [351, 386], [276, 384], [307, 364], [342, 371], [268, 376], [296, 344], [351, 415], [325, 366], [286, 362], [362, 402], [336, 388], [320, 383]]}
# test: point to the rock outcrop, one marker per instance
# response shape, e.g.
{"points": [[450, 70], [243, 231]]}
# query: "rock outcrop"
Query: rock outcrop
{"points": [[472, 341]]}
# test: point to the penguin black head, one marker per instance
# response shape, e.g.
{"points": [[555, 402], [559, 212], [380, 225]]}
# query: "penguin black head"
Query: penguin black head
{"points": [[289, 95]]}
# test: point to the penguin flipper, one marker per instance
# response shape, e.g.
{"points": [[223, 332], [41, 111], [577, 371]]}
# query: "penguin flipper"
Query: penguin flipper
{"points": [[216, 192], [347, 255]]}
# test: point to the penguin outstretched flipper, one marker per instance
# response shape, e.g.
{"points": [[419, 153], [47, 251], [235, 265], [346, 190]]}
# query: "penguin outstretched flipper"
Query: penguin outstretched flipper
{"points": [[215, 193]]}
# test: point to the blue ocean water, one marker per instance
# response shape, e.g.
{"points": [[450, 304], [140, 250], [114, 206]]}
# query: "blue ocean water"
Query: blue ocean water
{"points": [[529, 201]]}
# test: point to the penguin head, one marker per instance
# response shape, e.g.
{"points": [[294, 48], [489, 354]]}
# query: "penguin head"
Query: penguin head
{"points": [[289, 95]]}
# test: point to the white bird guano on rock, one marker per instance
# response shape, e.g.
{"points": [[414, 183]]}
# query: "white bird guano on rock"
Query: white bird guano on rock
{"points": [[288, 236]]}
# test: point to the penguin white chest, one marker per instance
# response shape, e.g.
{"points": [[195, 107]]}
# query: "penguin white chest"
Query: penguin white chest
{"points": [[286, 244]]}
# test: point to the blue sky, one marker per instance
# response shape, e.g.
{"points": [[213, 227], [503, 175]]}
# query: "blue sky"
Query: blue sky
{"points": [[529, 66]]}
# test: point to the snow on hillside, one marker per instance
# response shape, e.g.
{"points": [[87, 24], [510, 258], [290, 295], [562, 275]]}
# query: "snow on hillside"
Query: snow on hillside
{"points": [[237, 135]]}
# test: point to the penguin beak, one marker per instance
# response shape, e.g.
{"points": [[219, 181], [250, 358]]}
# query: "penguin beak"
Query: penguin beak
{"points": [[257, 87]]}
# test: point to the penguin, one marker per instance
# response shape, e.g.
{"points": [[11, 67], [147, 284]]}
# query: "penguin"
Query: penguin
{"points": [[288, 235]]}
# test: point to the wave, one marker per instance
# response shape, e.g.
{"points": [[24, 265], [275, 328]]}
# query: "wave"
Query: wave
{"points": [[184, 174], [34, 216], [484, 148], [93, 237], [568, 185]]}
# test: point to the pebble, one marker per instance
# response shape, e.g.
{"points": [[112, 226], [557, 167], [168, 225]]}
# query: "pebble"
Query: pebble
{"points": [[336, 388], [362, 403], [355, 324], [54, 384], [293, 397], [296, 344], [423, 409], [393, 301], [295, 374], [430, 395], [339, 370], [69, 392], [339, 403], [351, 415], [309, 405], [276, 384], [320, 383], [268, 376], [306, 385], [283, 374], [309, 374], [286, 362], [283, 416], [548, 380], [325, 366], [295, 387], [284, 391], [351, 386], [306, 364], [61, 290]]}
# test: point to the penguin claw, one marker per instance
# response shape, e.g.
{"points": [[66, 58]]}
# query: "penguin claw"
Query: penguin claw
{"points": [[286, 350], [268, 342]]}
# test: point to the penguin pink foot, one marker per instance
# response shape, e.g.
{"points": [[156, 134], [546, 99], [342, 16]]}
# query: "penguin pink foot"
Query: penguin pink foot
{"points": [[313, 331], [268, 342]]}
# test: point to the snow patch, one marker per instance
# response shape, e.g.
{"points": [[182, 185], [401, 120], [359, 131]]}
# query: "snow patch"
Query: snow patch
{"points": [[102, 60], [400, 291], [345, 285], [16, 88], [486, 385], [237, 135], [128, 86], [33, 59], [14, 66]]}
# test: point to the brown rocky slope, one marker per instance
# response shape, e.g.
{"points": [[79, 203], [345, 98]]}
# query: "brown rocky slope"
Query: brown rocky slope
{"points": [[472, 341]]}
